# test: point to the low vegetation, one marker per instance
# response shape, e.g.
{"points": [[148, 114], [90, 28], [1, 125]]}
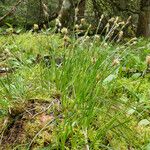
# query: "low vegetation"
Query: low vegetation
{"points": [[74, 75], [63, 92]]}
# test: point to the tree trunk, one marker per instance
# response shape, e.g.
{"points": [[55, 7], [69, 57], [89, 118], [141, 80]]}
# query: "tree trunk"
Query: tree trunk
{"points": [[81, 7], [66, 14], [97, 10], [144, 19]]}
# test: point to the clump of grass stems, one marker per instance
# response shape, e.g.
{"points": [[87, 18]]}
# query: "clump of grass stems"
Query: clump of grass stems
{"points": [[93, 115]]}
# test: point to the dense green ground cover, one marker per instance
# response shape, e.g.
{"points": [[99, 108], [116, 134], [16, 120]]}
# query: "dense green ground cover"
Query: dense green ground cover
{"points": [[74, 94]]}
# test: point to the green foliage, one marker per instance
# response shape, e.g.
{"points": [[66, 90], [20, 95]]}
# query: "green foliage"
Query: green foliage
{"points": [[100, 106], [28, 12]]}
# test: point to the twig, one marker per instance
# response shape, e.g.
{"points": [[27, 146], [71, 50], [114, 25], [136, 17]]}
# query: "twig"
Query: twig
{"points": [[86, 140], [11, 11]]}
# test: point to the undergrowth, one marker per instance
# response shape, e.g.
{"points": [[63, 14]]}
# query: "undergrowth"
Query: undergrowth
{"points": [[74, 93]]}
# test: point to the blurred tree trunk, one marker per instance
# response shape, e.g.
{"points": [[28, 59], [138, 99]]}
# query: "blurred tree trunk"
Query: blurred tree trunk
{"points": [[66, 14], [144, 19], [41, 15], [97, 10], [81, 7]]}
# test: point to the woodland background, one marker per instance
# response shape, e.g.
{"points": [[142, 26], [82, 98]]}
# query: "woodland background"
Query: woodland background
{"points": [[25, 13]]}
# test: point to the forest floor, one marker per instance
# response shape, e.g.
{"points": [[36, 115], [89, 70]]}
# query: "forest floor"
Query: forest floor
{"points": [[66, 93]]}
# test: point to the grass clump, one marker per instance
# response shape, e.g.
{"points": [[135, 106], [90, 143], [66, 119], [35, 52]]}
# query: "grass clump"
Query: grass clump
{"points": [[77, 95]]}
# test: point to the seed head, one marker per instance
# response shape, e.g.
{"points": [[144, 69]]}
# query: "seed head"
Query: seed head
{"points": [[116, 25], [10, 30], [66, 38], [115, 62], [64, 30], [102, 16], [111, 19], [35, 27], [76, 27], [83, 21], [133, 39], [120, 34], [76, 18], [148, 60], [107, 25], [128, 20], [97, 37], [97, 77], [44, 26], [58, 23], [121, 23], [87, 38], [134, 42], [116, 20], [76, 10], [93, 60], [105, 44]]}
